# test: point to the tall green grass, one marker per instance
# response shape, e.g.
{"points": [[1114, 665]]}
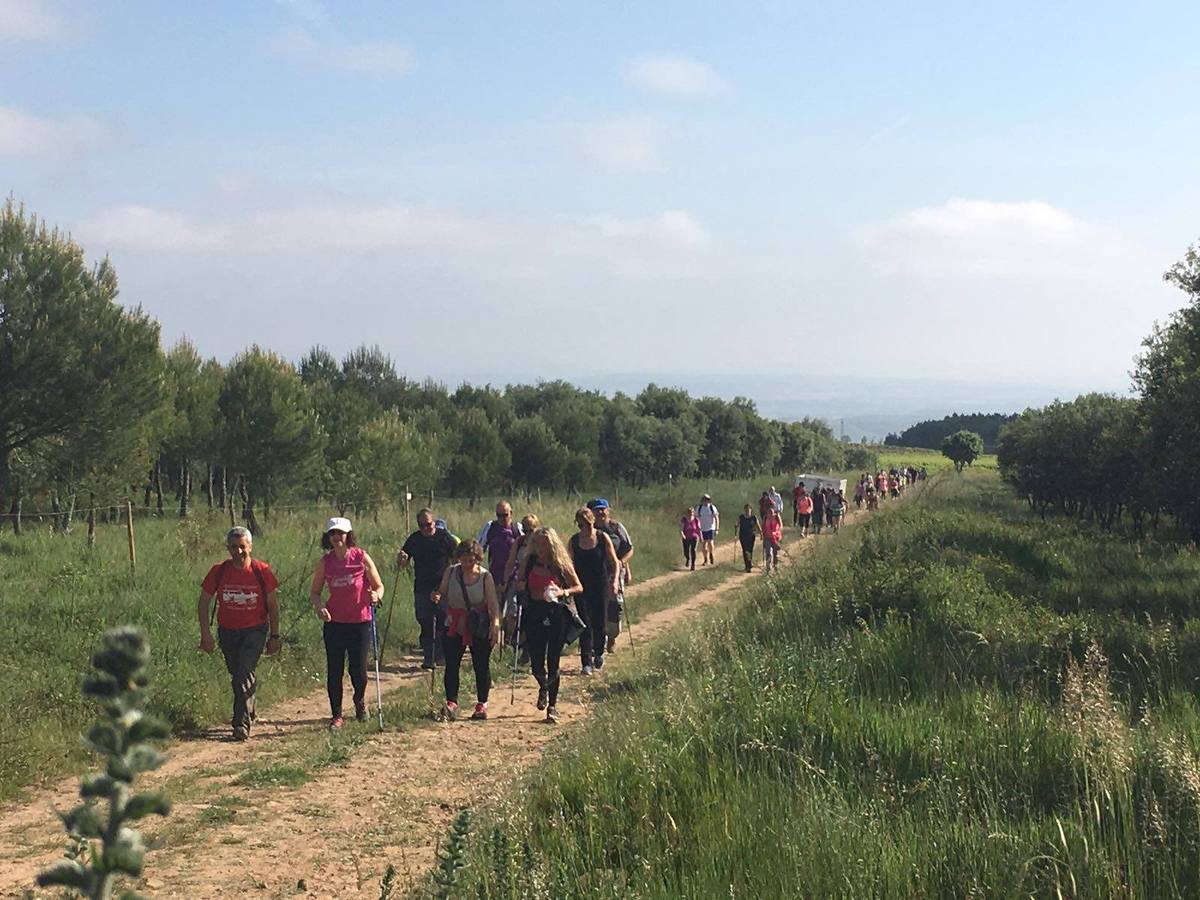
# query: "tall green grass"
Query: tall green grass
{"points": [[959, 702], [57, 596]]}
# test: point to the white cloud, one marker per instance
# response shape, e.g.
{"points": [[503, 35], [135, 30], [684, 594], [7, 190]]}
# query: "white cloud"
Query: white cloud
{"points": [[30, 20], [984, 237], [673, 230], [142, 228], [672, 75], [630, 143], [370, 57], [22, 134]]}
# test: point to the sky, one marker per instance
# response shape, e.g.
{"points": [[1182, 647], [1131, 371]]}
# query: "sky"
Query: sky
{"points": [[938, 190]]}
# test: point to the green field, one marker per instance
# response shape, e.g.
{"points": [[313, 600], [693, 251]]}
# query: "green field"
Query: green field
{"points": [[957, 700], [59, 596]]}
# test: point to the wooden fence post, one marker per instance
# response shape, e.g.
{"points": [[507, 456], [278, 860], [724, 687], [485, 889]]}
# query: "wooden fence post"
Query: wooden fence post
{"points": [[91, 521], [132, 545]]}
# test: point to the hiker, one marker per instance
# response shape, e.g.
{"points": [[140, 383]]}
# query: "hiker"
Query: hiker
{"points": [[710, 527], [797, 492], [860, 492], [828, 492], [354, 588], [804, 507], [598, 569], [624, 548], [818, 510], [467, 594], [776, 502], [506, 586], [497, 537], [772, 532], [689, 531], [837, 511], [764, 506], [247, 620], [748, 530], [430, 549], [546, 576]]}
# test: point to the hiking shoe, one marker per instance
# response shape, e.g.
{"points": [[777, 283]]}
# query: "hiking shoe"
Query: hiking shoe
{"points": [[585, 670], [426, 665], [451, 712], [612, 642], [599, 663], [360, 710], [543, 698], [480, 711], [552, 715], [337, 722], [241, 734]]}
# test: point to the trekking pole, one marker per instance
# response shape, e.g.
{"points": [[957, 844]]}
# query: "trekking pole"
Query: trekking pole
{"points": [[629, 625], [512, 693], [387, 626], [378, 688]]}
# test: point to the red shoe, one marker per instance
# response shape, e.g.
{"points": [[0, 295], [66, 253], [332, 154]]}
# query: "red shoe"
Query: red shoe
{"points": [[337, 722], [480, 711], [451, 712]]}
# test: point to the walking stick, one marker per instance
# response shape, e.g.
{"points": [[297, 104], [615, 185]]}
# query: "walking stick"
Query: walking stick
{"points": [[512, 694], [378, 688], [387, 626]]}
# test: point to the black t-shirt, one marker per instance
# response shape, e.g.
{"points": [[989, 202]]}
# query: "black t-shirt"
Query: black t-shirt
{"points": [[430, 555], [746, 527], [818, 499]]}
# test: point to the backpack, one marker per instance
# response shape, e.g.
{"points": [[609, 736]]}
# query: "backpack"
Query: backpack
{"points": [[613, 530], [255, 567]]}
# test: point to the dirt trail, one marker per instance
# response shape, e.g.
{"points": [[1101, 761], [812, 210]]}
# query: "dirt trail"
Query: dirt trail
{"points": [[391, 802]]}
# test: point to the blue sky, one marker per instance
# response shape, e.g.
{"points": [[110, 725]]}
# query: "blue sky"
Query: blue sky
{"points": [[950, 190]]}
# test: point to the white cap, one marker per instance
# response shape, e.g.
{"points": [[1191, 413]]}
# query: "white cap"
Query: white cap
{"points": [[337, 523]]}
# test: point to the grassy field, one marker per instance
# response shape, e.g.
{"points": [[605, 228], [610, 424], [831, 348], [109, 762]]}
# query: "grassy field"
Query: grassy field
{"points": [[59, 595], [957, 700], [930, 459]]}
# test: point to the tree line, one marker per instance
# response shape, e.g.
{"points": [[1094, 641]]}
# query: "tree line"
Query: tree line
{"points": [[932, 432], [93, 409], [1112, 458]]}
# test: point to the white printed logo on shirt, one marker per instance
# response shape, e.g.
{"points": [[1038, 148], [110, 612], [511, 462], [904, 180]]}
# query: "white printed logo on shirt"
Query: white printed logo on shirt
{"points": [[342, 581], [238, 597]]}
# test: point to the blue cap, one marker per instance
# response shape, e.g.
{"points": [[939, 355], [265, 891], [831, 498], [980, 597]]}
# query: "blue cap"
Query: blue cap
{"points": [[439, 524], [598, 503]]}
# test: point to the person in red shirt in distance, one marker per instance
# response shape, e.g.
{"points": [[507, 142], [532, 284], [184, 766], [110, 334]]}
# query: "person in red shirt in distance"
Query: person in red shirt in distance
{"points": [[247, 620]]}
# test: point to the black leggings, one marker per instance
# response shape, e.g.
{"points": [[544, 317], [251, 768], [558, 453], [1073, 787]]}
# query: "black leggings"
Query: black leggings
{"points": [[594, 612], [689, 552], [481, 656], [345, 640], [544, 635], [747, 552]]}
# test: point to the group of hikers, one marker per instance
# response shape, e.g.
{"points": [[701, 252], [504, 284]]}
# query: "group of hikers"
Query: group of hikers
{"points": [[517, 582], [514, 584]]}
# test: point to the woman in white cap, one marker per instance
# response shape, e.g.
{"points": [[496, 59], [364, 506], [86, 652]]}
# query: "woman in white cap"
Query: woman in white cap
{"points": [[354, 587]]}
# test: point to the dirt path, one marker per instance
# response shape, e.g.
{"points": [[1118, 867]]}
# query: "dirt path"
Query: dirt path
{"points": [[333, 836]]}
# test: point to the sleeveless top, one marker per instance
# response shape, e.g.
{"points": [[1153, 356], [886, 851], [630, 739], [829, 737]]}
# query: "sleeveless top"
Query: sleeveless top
{"points": [[348, 593], [591, 566], [476, 595]]}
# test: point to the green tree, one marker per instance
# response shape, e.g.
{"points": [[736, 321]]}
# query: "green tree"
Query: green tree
{"points": [[273, 440], [387, 454], [538, 458], [80, 373], [962, 448], [1168, 376], [479, 460]]}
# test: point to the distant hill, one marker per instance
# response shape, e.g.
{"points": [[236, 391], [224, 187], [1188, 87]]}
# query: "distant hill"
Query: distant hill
{"points": [[931, 433]]}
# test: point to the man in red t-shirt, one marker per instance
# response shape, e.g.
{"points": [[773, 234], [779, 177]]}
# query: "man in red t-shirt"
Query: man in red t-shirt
{"points": [[246, 609]]}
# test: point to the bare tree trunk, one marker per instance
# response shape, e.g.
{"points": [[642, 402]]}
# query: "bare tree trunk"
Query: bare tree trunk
{"points": [[15, 512], [208, 486], [158, 492], [55, 513], [91, 520], [223, 496], [185, 487], [149, 489], [248, 509], [69, 513]]}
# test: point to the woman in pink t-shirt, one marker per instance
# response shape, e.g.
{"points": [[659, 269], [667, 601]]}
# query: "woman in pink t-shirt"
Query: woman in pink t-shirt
{"points": [[689, 531], [354, 587], [772, 529]]}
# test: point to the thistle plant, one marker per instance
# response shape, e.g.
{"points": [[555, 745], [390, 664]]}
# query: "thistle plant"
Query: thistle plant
{"points": [[453, 857], [105, 845]]}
